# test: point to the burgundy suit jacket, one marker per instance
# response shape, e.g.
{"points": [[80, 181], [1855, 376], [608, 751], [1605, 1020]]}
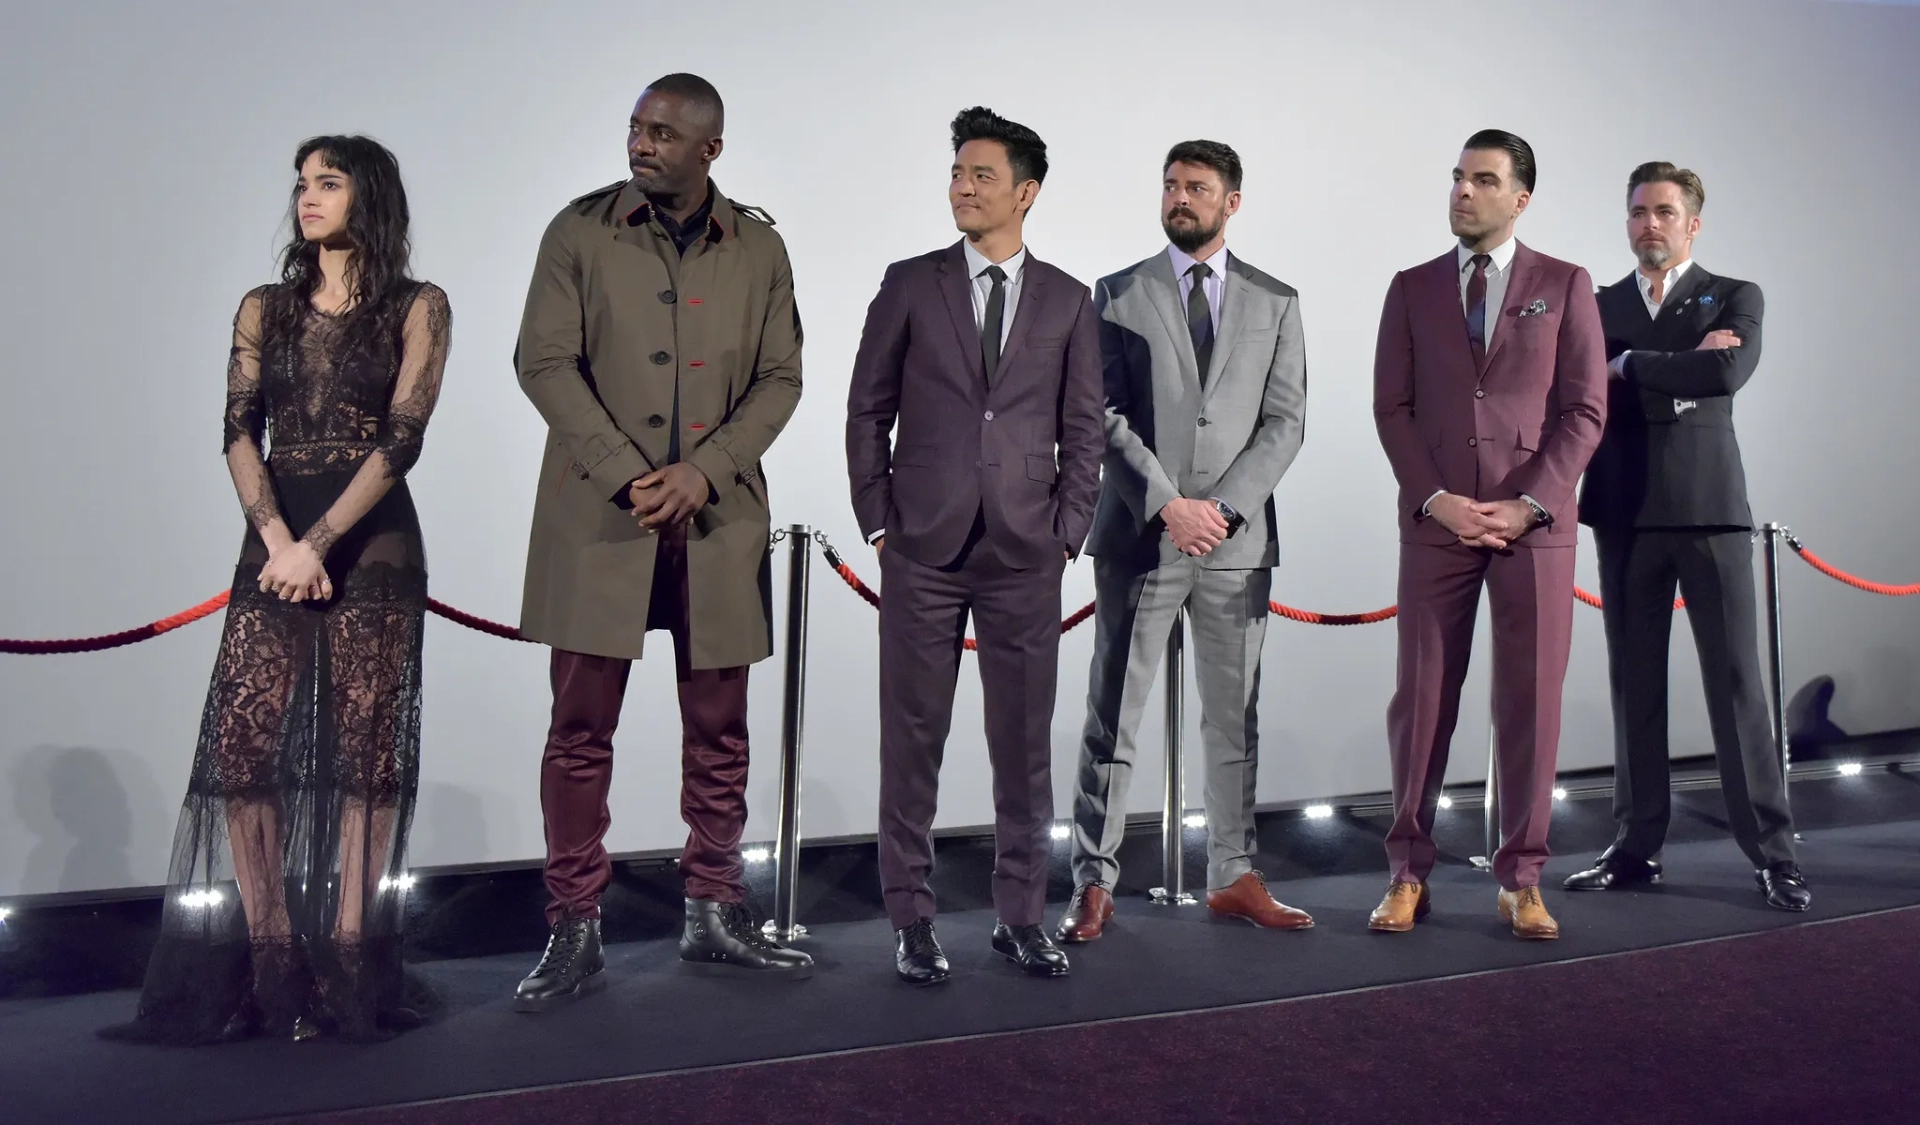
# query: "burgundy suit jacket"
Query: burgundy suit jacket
{"points": [[1524, 421], [1026, 450]]}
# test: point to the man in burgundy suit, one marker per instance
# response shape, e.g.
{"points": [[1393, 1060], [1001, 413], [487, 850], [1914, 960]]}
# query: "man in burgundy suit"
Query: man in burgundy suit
{"points": [[988, 363], [1490, 393]]}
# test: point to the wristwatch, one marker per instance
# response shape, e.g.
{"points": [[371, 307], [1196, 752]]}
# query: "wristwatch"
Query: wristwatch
{"points": [[1234, 519], [1540, 515]]}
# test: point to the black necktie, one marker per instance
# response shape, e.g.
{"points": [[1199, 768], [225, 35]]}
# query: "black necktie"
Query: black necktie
{"points": [[996, 316], [1200, 318], [1477, 306]]}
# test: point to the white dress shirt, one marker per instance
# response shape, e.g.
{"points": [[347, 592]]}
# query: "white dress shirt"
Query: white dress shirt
{"points": [[1499, 272], [982, 289], [1215, 286], [977, 265]]}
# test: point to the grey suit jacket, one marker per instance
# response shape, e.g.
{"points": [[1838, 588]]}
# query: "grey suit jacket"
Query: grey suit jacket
{"points": [[1168, 438]]}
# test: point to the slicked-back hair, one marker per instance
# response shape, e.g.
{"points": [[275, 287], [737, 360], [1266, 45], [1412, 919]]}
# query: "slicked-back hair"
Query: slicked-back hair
{"points": [[698, 92], [1661, 172], [1026, 152], [1520, 151], [1208, 154]]}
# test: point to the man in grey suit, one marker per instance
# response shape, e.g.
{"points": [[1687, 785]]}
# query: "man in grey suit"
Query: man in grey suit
{"points": [[1206, 385]]}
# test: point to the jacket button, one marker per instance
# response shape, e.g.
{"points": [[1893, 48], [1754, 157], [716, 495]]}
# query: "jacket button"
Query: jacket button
{"points": [[1479, 394], [1204, 422], [661, 358], [1473, 441], [668, 296], [656, 421], [989, 415]]}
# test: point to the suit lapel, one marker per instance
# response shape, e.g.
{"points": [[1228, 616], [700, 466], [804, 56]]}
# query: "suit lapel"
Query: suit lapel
{"points": [[1163, 292], [1025, 312], [1235, 293], [1680, 299], [957, 288], [1519, 292]]}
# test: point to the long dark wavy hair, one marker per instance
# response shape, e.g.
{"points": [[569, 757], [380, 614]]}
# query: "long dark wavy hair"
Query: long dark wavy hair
{"points": [[377, 225]]}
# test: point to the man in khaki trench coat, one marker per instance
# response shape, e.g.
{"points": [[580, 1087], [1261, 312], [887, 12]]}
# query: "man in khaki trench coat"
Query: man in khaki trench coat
{"points": [[661, 344]]}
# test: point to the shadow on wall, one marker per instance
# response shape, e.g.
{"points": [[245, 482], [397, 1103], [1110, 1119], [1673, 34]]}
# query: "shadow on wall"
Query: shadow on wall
{"points": [[81, 815]]}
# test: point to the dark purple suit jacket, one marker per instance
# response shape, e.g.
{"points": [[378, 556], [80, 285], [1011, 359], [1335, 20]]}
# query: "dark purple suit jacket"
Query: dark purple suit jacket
{"points": [[1525, 421], [1027, 451]]}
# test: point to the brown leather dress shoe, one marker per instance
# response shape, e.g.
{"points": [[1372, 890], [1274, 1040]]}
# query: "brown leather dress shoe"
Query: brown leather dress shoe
{"points": [[1523, 910], [1087, 915], [1404, 904], [1246, 898]]}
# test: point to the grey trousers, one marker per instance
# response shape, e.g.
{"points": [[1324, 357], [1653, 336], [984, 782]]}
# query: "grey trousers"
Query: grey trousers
{"points": [[1134, 614]]}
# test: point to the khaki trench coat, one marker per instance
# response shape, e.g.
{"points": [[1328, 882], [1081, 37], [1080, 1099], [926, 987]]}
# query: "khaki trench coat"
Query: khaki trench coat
{"points": [[615, 318]]}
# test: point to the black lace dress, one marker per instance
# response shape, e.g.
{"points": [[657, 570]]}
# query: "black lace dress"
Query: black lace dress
{"points": [[287, 883]]}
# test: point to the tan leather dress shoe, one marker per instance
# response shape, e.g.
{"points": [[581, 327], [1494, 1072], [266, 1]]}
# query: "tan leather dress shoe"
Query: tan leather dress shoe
{"points": [[1087, 915], [1247, 898], [1527, 914], [1405, 904]]}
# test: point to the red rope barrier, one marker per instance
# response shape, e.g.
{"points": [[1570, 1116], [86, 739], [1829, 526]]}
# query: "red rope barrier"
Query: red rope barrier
{"points": [[206, 609], [507, 632], [115, 640], [1839, 575], [1304, 616]]}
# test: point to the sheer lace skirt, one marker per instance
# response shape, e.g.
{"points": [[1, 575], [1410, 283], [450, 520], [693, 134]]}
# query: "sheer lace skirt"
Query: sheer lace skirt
{"points": [[287, 884]]}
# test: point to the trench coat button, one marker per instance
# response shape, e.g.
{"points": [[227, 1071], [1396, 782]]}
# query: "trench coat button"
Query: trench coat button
{"points": [[1204, 422], [989, 415], [668, 296], [1479, 394], [1473, 441], [661, 358], [656, 421]]}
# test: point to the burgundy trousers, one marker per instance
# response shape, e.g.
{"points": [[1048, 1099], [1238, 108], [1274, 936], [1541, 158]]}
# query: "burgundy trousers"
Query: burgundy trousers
{"points": [[1531, 591], [578, 765]]}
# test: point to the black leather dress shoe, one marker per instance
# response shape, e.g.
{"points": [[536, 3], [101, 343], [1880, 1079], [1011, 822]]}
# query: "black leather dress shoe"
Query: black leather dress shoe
{"points": [[1784, 886], [1614, 872], [720, 939], [1031, 948], [917, 956], [569, 969]]}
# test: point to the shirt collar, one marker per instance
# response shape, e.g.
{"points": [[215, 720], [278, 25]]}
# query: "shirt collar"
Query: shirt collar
{"points": [[1673, 275], [977, 262], [643, 211], [1183, 261], [1502, 256]]}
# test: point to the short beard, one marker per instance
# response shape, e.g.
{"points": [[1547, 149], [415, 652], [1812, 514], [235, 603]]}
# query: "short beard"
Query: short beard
{"points": [[1194, 237], [1655, 257]]}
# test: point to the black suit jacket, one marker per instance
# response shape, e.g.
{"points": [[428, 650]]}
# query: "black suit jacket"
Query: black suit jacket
{"points": [[1025, 451], [1669, 458]]}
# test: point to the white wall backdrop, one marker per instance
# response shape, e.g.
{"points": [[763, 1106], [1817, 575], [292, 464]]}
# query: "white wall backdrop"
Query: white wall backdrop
{"points": [[144, 176]]}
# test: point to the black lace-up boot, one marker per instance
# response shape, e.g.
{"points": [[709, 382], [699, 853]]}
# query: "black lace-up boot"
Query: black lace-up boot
{"points": [[721, 938], [569, 969]]}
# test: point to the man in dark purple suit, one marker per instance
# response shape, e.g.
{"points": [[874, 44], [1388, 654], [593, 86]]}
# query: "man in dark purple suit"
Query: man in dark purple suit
{"points": [[988, 363], [1490, 393]]}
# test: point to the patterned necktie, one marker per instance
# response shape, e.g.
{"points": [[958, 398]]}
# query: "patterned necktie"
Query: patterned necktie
{"points": [[1200, 318], [1477, 307], [990, 327]]}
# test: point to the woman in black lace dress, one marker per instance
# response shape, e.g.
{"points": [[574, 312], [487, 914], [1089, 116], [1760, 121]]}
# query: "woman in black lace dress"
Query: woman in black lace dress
{"points": [[283, 912]]}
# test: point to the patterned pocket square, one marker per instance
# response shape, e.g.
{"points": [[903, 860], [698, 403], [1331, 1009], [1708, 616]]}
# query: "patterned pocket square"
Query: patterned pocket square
{"points": [[1537, 308]]}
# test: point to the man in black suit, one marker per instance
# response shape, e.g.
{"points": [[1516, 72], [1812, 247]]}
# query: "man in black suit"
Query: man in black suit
{"points": [[1666, 497], [983, 363]]}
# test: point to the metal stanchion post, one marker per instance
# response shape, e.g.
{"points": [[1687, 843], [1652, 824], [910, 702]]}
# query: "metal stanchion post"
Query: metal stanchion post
{"points": [[1173, 813], [786, 878], [1776, 651], [1776, 646]]}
